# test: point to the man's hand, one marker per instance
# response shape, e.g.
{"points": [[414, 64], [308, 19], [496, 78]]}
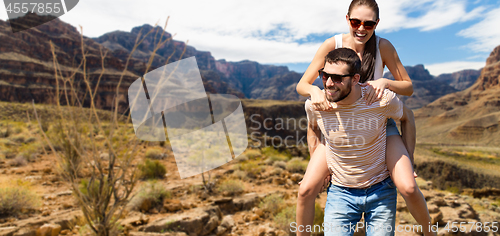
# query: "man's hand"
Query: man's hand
{"points": [[326, 184]]}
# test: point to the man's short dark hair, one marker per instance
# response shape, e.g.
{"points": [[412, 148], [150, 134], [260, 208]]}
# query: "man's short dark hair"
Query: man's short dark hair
{"points": [[346, 56]]}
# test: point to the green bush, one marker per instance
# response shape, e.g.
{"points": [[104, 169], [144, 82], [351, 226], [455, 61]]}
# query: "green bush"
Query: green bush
{"points": [[297, 165], [272, 203], [152, 169], [154, 153], [14, 199], [231, 186]]}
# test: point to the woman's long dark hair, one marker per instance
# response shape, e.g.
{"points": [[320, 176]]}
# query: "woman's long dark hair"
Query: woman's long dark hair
{"points": [[370, 51]]}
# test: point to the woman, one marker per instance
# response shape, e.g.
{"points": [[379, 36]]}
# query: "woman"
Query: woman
{"points": [[375, 53]]}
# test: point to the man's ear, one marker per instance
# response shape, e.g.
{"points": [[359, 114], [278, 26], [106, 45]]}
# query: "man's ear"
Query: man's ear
{"points": [[356, 78]]}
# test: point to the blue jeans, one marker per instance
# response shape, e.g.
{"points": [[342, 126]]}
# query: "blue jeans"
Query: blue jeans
{"points": [[392, 128], [345, 206]]}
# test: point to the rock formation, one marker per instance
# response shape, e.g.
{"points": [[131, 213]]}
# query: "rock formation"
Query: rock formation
{"points": [[471, 115]]}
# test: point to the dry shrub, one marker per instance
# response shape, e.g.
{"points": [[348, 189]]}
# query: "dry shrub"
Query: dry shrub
{"points": [[253, 153], [276, 171], [151, 195], [283, 218], [242, 158], [240, 174], [13, 200], [18, 138], [288, 215], [231, 186], [275, 158], [152, 169], [269, 151], [272, 204], [18, 161], [252, 168], [280, 164], [297, 165], [154, 153]]}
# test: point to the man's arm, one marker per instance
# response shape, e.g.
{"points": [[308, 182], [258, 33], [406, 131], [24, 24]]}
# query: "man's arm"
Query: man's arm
{"points": [[313, 136], [408, 131]]}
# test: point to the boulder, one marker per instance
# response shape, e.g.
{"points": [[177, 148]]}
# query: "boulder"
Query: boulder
{"points": [[48, 230], [246, 202], [228, 222], [225, 204], [200, 221]]}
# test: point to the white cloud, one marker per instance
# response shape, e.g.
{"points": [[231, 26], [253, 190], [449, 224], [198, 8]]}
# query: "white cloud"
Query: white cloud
{"points": [[486, 33], [453, 66], [431, 14]]}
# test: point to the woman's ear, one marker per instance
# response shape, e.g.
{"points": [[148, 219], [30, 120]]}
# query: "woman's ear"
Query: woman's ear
{"points": [[375, 27]]}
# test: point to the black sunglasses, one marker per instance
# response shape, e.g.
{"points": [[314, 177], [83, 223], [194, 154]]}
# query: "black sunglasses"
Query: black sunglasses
{"points": [[335, 78], [356, 23]]}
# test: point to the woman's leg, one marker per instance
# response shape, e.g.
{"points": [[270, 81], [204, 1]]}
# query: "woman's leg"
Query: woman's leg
{"points": [[312, 182], [401, 170]]}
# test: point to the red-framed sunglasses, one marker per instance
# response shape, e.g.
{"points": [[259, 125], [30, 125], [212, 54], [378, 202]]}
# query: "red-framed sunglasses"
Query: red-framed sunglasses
{"points": [[356, 23]]}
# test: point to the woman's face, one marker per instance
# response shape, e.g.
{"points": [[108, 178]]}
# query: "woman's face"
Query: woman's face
{"points": [[361, 35]]}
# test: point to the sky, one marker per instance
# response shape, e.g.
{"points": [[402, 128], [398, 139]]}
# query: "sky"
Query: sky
{"points": [[444, 35]]}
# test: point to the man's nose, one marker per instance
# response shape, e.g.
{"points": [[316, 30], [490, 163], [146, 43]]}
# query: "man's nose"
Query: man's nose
{"points": [[330, 82]]}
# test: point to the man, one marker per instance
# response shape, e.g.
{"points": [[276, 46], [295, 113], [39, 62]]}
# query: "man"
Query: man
{"points": [[355, 140]]}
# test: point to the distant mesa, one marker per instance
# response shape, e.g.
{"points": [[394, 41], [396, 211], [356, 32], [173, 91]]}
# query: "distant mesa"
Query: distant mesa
{"points": [[469, 116], [427, 88]]}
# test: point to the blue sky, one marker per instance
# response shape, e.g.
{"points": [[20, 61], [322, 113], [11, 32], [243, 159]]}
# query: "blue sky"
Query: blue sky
{"points": [[444, 35]]}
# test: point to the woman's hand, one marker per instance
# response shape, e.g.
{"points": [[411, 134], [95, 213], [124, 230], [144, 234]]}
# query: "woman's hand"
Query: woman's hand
{"points": [[375, 89], [318, 99]]}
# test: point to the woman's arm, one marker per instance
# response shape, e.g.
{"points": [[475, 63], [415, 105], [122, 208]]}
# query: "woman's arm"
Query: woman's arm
{"points": [[305, 87], [402, 84]]}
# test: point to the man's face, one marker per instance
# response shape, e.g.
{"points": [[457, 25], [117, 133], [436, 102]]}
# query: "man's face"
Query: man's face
{"points": [[336, 91]]}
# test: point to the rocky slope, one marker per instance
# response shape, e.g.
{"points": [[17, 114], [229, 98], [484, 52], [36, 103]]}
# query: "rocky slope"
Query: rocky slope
{"points": [[26, 63], [426, 88], [27, 71], [460, 80], [471, 115], [254, 80]]}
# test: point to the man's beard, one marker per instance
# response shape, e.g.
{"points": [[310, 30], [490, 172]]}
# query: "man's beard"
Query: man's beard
{"points": [[339, 95]]}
